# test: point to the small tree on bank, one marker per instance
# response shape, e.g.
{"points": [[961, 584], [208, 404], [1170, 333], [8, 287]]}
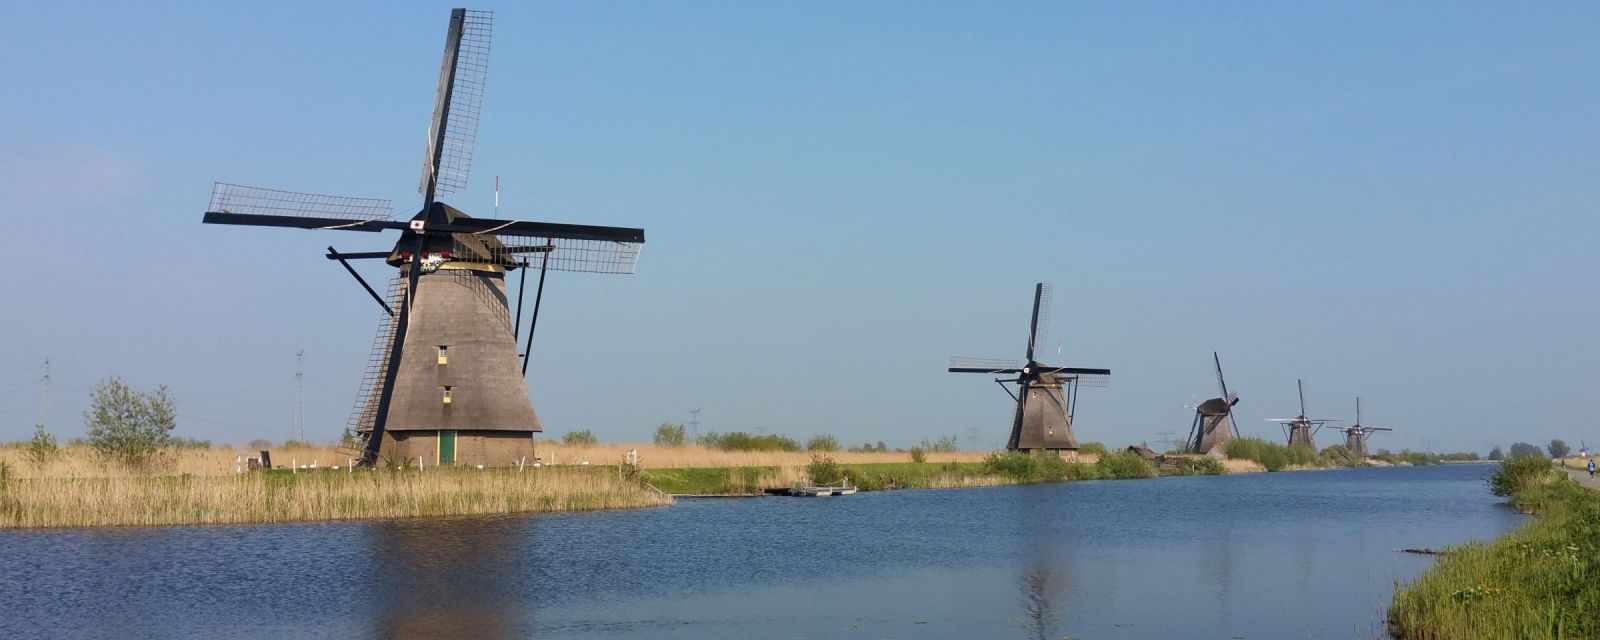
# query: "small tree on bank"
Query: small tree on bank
{"points": [[42, 448], [1559, 449], [822, 442], [126, 425], [1496, 454], [1525, 450], [579, 438], [669, 435]]}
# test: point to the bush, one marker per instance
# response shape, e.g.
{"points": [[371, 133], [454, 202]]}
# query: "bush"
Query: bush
{"points": [[1124, 465], [1026, 467], [1274, 457], [824, 471], [578, 438], [741, 441], [292, 444], [1096, 448], [669, 435], [1496, 454], [1338, 456], [918, 455], [1517, 474], [128, 426], [1559, 449], [42, 448], [822, 442]]}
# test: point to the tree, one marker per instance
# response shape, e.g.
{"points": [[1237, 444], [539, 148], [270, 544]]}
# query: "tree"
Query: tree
{"points": [[669, 435], [1525, 450], [259, 444], [1496, 454], [584, 437], [822, 442], [127, 425], [43, 448], [1559, 448]]}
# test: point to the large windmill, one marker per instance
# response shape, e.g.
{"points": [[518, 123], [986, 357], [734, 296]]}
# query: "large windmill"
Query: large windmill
{"points": [[444, 381], [1046, 395], [1355, 435], [1213, 424], [1302, 430]]}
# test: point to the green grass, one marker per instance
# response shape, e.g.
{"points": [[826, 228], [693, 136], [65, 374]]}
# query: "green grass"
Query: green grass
{"points": [[1272, 456], [1006, 468], [1541, 581]]}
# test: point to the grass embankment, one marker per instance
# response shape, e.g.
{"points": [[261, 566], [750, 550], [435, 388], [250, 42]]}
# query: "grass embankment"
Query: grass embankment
{"points": [[281, 496], [1541, 581], [996, 469]]}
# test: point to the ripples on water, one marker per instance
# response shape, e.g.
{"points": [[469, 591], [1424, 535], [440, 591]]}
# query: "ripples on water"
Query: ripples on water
{"points": [[1286, 555]]}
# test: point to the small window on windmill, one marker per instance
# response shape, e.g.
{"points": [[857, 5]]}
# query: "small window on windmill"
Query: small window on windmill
{"points": [[444, 354], [447, 390]]}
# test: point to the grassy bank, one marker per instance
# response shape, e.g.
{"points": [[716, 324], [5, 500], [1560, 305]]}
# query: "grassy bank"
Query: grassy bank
{"points": [[281, 496], [995, 469], [1541, 581]]}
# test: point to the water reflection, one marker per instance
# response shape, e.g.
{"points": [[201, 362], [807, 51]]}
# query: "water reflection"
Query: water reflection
{"points": [[447, 578], [1044, 580]]}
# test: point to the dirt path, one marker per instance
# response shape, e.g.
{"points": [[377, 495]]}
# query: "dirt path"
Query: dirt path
{"points": [[1582, 477]]}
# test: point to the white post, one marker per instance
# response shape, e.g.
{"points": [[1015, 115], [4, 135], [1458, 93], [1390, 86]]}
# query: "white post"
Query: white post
{"points": [[294, 466]]}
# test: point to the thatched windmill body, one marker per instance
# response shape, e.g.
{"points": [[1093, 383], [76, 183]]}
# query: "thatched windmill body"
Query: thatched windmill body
{"points": [[1355, 435], [1301, 429], [445, 382], [1046, 395], [1213, 424]]}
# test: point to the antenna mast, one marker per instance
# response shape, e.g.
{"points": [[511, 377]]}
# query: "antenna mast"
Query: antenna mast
{"points": [[44, 393], [300, 394], [694, 422]]}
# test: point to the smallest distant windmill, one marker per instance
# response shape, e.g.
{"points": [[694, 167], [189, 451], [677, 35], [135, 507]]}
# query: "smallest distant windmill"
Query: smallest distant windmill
{"points": [[1302, 430], [1213, 424], [1355, 435]]}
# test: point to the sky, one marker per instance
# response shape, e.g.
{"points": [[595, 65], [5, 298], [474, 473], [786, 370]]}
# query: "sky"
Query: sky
{"points": [[1395, 202]]}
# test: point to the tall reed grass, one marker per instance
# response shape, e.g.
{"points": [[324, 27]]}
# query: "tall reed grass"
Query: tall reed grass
{"points": [[280, 496]]}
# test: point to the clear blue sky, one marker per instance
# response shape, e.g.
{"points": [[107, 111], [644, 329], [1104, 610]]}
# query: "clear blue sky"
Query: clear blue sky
{"points": [[1397, 202]]}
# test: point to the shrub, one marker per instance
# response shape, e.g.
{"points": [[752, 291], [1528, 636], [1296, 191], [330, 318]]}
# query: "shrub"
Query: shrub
{"points": [[1559, 449], [1338, 456], [1496, 454], [128, 426], [42, 448], [741, 441], [1025, 467], [1096, 448], [918, 455], [824, 471], [1302, 454], [577, 438], [293, 444], [1274, 457], [1124, 465], [822, 442], [1517, 474], [669, 435]]}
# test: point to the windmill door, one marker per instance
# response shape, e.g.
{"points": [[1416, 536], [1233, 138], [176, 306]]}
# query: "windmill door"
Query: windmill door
{"points": [[447, 447]]}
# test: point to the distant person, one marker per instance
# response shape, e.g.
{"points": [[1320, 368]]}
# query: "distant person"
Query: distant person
{"points": [[1591, 467]]}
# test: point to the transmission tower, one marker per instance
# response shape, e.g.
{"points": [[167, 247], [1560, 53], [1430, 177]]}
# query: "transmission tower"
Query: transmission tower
{"points": [[44, 393], [694, 423], [300, 394]]}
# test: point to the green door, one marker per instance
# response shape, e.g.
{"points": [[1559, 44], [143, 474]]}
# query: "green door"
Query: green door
{"points": [[447, 447]]}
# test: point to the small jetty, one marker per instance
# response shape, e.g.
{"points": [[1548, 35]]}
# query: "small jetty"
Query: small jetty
{"points": [[821, 492]]}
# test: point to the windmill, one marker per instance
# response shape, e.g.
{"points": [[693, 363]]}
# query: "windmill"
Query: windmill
{"points": [[1213, 424], [1046, 394], [1302, 430], [1355, 435], [444, 382]]}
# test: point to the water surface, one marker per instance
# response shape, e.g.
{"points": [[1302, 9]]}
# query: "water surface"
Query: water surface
{"points": [[1285, 555]]}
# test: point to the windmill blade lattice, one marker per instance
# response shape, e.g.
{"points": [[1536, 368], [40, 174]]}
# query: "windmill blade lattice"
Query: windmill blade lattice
{"points": [[458, 101], [260, 201]]}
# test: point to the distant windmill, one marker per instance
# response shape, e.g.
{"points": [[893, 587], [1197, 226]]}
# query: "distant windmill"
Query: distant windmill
{"points": [[443, 381], [1302, 430], [1047, 395], [1355, 435], [1213, 424]]}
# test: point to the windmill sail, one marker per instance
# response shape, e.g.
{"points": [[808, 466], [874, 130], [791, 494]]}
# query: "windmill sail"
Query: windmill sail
{"points": [[463, 76]]}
